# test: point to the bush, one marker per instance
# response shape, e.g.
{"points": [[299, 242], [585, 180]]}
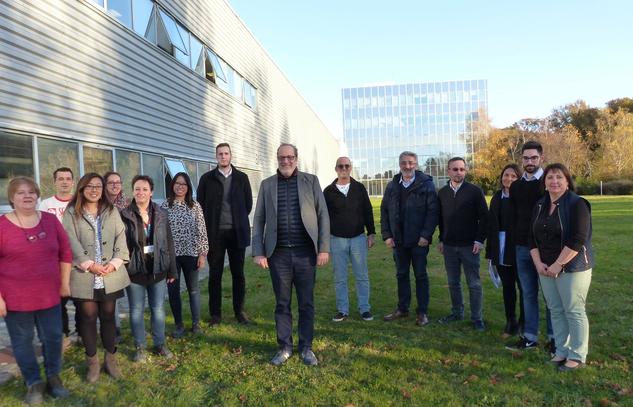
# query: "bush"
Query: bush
{"points": [[587, 187], [618, 187]]}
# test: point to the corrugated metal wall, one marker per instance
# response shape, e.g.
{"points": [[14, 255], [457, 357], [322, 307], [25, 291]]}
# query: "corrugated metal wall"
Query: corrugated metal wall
{"points": [[67, 69]]}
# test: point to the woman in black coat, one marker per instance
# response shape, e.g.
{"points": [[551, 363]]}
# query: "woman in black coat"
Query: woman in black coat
{"points": [[500, 249]]}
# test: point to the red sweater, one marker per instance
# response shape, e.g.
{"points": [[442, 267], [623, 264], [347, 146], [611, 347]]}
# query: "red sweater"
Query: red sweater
{"points": [[30, 278]]}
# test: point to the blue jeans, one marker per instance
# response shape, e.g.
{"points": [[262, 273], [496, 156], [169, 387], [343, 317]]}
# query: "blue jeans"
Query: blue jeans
{"points": [[344, 250], [405, 257], [48, 323], [456, 257], [288, 267], [156, 297], [528, 277], [189, 267]]}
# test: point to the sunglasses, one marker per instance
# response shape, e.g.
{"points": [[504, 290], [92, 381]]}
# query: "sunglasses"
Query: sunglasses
{"points": [[343, 166]]}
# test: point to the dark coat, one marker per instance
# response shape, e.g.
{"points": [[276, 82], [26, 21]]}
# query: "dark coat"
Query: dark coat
{"points": [[421, 211], [164, 252], [209, 195], [492, 242]]}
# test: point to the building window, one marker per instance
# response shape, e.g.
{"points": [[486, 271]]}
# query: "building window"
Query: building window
{"points": [[172, 37], [128, 164], [97, 160], [51, 155], [121, 10], [16, 158], [250, 94], [192, 170], [214, 71], [141, 13], [197, 56], [153, 166]]}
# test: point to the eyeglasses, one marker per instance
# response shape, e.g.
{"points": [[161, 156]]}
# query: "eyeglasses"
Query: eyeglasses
{"points": [[180, 184], [286, 158], [343, 166], [531, 158], [112, 183], [94, 187]]}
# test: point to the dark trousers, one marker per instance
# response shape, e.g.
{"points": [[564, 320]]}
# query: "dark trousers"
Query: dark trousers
{"points": [[288, 267], [90, 311], [188, 265], [510, 282], [65, 322], [404, 258], [226, 241]]}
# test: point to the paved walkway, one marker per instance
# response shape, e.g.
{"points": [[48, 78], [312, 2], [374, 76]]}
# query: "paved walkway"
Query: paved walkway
{"points": [[8, 367]]}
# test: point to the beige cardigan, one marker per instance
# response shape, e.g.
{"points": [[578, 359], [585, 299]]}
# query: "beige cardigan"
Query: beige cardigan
{"points": [[113, 246]]}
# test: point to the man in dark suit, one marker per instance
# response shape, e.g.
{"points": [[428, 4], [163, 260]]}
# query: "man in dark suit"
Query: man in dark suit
{"points": [[226, 199], [291, 235]]}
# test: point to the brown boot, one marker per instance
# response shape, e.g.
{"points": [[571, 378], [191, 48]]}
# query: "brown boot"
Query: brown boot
{"points": [[93, 368], [110, 365]]}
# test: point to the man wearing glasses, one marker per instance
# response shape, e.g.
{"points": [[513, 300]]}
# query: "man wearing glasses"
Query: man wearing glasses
{"points": [[463, 223], [226, 199], [408, 217], [291, 236], [350, 214], [523, 196]]}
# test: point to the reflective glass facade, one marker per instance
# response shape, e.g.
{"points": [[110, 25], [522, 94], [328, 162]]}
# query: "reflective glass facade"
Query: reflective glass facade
{"points": [[431, 119]]}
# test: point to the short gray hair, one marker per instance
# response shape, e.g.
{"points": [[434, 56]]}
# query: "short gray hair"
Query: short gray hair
{"points": [[408, 154], [294, 148]]}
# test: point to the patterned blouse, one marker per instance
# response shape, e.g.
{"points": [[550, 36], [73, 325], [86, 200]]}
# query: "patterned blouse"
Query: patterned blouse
{"points": [[121, 201], [96, 225], [187, 228]]}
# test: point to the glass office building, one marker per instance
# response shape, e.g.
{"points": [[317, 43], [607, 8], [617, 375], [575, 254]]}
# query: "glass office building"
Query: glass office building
{"points": [[434, 120]]}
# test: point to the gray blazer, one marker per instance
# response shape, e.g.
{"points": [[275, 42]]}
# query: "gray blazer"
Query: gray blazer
{"points": [[82, 240], [314, 214]]}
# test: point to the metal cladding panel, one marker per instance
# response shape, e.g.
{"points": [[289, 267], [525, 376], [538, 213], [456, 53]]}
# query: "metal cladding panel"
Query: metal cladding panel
{"points": [[72, 71]]}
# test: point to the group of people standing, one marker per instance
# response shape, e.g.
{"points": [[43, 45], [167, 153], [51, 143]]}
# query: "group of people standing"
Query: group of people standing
{"points": [[102, 246]]}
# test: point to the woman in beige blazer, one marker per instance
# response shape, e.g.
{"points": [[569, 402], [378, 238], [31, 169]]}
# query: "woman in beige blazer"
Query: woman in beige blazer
{"points": [[98, 277]]}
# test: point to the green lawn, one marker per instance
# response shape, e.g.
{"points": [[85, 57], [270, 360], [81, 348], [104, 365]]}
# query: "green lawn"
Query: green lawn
{"points": [[379, 363]]}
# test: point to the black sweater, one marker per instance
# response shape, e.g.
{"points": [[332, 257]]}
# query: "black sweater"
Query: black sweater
{"points": [[463, 215], [523, 195], [351, 214]]}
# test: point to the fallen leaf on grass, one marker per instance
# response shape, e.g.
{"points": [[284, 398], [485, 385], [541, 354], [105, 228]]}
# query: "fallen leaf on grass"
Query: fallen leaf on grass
{"points": [[587, 403], [531, 369], [494, 380], [516, 355], [606, 403], [406, 394], [625, 392], [471, 378], [243, 398], [237, 351], [170, 368], [475, 363], [349, 405], [619, 357], [446, 361], [519, 375]]}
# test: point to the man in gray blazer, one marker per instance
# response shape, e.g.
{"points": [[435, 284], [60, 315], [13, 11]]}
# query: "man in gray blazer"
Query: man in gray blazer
{"points": [[291, 235]]}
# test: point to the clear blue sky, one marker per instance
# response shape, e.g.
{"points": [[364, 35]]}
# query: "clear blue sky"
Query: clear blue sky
{"points": [[536, 55]]}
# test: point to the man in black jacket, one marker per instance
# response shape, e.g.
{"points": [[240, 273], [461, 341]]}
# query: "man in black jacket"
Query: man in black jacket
{"points": [[350, 213], [408, 217], [226, 199], [463, 226]]}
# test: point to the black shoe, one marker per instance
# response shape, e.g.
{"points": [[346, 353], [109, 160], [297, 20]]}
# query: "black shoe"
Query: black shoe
{"points": [[479, 325], [215, 320], [35, 394], [551, 347], [367, 316], [339, 317], [450, 318], [195, 328], [422, 320], [55, 388], [309, 357], [140, 356], [522, 344], [281, 357], [163, 351], [243, 319], [565, 368], [179, 332], [395, 315]]}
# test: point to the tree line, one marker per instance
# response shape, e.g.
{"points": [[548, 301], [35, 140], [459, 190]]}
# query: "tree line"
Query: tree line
{"points": [[596, 144]]}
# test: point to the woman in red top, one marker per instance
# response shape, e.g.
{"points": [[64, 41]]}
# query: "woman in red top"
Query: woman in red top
{"points": [[35, 260]]}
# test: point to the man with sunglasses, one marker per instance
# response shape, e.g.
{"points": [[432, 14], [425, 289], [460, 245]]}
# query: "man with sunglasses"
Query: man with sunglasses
{"points": [[524, 193], [463, 225], [350, 214], [291, 235]]}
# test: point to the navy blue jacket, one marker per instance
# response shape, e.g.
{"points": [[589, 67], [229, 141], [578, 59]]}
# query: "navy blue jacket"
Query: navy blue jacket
{"points": [[209, 195], [421, 211]]}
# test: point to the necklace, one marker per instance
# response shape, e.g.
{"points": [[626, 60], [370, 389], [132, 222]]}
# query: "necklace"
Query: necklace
{"points": [[31, 238]]}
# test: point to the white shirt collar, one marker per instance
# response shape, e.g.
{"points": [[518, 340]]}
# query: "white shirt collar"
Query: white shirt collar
{"points": [[406, 184], [537, 175], [228, 173]]}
